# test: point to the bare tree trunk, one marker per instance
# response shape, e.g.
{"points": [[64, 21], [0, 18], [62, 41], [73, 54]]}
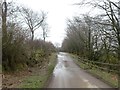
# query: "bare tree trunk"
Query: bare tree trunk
{"points": [[119, 64], [4, 15], [44, 34], [89, 43], [119, 46], [119, 53], [44, 38], [32, 35]]}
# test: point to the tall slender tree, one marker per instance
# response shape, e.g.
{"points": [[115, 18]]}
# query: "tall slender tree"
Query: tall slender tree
{"points": [[4, 15]]}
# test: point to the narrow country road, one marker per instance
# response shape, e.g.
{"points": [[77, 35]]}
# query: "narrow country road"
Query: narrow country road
{"points": [[68, 75]]}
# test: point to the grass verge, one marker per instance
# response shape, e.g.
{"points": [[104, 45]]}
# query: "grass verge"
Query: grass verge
{"points": [[109, 78], [40, 78]]}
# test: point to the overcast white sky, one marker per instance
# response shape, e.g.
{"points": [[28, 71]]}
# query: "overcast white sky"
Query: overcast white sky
{"points": [[58, 12]]}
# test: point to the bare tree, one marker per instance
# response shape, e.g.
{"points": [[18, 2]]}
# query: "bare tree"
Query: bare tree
{"points": [[32, 19], [76, 40], [45, 30], [111, 13]]}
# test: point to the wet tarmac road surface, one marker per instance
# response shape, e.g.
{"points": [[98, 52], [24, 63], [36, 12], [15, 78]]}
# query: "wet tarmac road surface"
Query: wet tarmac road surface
{"points": [[68, 75]]}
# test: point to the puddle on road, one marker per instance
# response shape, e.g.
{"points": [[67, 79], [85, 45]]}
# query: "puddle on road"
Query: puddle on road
{"points": [[61, 65]]}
